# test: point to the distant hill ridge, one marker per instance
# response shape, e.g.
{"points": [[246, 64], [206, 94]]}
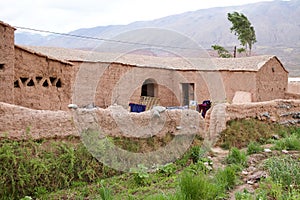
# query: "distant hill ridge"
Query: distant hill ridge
{"points": [[276, 23]]}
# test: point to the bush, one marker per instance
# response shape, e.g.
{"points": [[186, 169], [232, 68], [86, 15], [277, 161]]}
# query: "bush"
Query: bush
{"points": [[284, 170], [32, 168], [254, 147], [290, 143], [237, 157], [226, 178], [198, 187]]}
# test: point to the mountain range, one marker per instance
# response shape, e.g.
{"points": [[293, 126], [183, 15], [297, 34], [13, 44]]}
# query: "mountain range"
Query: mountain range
{"points": [[276, 24]]}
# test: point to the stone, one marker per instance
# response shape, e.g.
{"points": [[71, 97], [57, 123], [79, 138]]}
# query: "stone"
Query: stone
{"points": [[160, 109], [72, 106], [285, 151], [267, 150], [275, 137]]}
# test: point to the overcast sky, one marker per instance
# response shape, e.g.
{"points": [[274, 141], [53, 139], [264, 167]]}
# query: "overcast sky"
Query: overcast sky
{"points": [[69, 15]]}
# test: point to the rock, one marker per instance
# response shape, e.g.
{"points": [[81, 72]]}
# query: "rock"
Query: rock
{"points": [[275, 137], [267, 150], [159, 109], [256, 177], [285, 151], [156, 113], [178, 127], [250, 182], [296, 115], [266, 114], [72, 106], [244, 172]]}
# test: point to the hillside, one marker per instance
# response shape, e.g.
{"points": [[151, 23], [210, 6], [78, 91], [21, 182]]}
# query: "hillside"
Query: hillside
{"points": [[276, 24]]}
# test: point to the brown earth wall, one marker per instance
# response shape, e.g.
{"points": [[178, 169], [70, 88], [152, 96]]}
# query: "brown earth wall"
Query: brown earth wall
{"points": [[42, 83], [7, 58], [18, 122], [272, 81], [239, 81]]}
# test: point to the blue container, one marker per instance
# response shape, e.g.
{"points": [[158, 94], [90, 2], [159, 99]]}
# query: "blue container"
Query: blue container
{"points": [[137, 107]]}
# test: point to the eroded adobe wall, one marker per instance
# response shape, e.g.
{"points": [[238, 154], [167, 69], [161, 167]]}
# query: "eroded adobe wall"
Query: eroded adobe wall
{"points": [[239, 81], [272, 81], [280, 111], [7, 58], [18, 122], [42, 83]]}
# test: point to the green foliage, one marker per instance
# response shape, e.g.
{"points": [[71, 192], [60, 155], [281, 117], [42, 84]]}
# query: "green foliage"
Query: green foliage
{"points": [[237, 157], [167, 169], [242, 27], [141, 175], [34, 168], [284, 170], [239, 133], [222, 52], [226, 178], [198, 187], [105, 194], [254, 147], [244, 195], [289, 143]]}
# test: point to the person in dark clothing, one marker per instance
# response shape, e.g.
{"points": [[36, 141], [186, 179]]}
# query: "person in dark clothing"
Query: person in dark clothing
{"points": [[204, 107]]}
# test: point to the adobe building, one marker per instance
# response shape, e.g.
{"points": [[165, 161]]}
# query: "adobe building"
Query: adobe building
{"points": [[51, 78]]}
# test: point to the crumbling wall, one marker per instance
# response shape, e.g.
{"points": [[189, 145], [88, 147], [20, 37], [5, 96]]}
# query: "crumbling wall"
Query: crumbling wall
{"points": [[280, 111], [7, 58], [41, 82], [18, 122]]}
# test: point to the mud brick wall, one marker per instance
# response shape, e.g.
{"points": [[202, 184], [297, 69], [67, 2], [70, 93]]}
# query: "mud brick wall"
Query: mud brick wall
{"points": [[41, 82], [7, 58]]}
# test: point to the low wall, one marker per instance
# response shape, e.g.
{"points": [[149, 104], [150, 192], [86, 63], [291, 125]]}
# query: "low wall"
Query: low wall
{"points": [[17, 122], [20, 123], [280, 111]]}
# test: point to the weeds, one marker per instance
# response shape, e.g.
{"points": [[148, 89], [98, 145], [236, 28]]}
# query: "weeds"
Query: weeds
{"points": [[236, 157], [33, 168], [289, 143], [254, 147]]}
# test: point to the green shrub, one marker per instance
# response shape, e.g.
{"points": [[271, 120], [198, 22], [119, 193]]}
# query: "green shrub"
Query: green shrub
{"points": [[244, 195], [289, 143], [34, 168], [105, 194], [226, 177], [198, 187], [141, 175], [237, 157], [167, 169], [284, 170], [254, 147]]}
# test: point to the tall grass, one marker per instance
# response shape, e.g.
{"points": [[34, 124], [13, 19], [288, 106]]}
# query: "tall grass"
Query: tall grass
{"points": [[33, 168], [239, 133]]}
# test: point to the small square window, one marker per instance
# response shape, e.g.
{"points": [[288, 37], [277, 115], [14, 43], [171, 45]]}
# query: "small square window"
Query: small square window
{"points": [[1, 66]]}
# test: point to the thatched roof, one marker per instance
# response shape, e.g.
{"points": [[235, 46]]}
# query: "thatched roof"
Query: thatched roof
{"points": [[253, 63]]}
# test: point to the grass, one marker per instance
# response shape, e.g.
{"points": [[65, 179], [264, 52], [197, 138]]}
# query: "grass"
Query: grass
{"points": [[35, 168], [64, 169], [239, 133]]}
